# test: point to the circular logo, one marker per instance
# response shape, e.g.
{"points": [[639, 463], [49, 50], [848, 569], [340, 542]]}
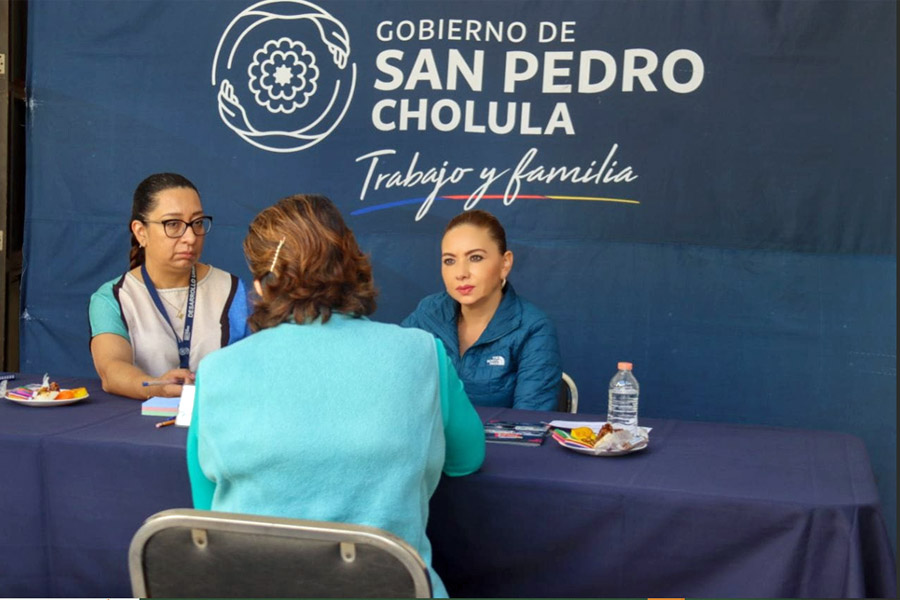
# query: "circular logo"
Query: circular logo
{"points": [[283, 75]]}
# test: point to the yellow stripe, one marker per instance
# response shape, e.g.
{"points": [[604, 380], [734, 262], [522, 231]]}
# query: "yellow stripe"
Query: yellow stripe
{"points": [[594, 199]]}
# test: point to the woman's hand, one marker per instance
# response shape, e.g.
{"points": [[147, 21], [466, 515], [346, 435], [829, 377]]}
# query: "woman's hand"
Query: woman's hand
{"points": [[114, 363], [179, 377]]}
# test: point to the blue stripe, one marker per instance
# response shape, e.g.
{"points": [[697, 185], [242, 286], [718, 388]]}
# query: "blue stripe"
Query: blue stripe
{"points": [[368, 209], [237, 314]]}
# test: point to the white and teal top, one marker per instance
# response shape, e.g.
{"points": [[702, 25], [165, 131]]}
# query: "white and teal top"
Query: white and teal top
{"points": [[124, 307]]}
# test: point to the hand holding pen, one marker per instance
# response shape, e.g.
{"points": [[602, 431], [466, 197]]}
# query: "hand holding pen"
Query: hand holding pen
{"points": [[169, 384]]}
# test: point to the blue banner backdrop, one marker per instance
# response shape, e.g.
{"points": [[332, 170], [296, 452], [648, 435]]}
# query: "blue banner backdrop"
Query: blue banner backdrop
{"points": [[704, 188]]}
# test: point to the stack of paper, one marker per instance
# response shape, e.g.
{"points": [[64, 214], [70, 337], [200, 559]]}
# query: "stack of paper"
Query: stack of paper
{"points": [[160, 407], [506, 432]]}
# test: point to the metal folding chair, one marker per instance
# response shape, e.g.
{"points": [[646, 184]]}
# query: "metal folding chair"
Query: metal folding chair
{"points": [[568, 395], [187, 553]]}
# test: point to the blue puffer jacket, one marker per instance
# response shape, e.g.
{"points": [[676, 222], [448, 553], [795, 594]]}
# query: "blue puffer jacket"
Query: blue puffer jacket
{"points": [[515, 363]]}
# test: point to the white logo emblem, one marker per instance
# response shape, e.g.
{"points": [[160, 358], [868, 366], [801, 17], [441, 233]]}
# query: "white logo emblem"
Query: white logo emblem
{"points": [[282, 75], [496, 361]]}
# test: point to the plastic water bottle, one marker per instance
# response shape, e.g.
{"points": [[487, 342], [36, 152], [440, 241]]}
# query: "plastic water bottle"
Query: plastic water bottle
{"points": [[623, 397]]}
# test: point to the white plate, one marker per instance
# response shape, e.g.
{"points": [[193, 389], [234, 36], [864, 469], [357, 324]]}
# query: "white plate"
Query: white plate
{"points": [[640, 439], [46, 402], [595, 452]]}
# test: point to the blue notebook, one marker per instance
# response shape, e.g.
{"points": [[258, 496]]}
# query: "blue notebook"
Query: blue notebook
{"points": [[160, 407]]}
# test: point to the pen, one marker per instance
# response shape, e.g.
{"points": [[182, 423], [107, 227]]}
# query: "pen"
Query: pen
{"points": [[165, 423], [162, 382]]}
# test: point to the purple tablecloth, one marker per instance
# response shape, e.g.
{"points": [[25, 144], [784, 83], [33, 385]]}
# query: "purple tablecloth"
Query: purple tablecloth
{"points": [[708, 510], [24, 569]]}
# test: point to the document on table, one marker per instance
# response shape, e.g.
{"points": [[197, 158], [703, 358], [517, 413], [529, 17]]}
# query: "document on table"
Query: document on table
{"points": [[593, 425], [185, 406]]}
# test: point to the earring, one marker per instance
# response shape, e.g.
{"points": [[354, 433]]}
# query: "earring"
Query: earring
{"points": [[503, 283]]}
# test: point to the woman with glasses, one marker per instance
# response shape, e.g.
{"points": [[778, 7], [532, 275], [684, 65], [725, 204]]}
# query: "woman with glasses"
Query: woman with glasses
{"points": [[155, 322]]}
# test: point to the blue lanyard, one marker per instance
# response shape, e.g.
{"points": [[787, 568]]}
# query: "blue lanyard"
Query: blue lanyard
{"points": [[184, 344]]}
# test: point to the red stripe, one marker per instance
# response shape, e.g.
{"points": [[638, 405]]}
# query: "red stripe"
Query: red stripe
{"points": [[496, 197]]}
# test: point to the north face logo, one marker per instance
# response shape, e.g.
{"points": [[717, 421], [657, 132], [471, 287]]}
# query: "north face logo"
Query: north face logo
{"points": [[496, 361]]}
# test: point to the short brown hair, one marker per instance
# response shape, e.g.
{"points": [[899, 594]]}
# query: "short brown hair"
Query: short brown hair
{"points": [[483, 219], [319, 268]]}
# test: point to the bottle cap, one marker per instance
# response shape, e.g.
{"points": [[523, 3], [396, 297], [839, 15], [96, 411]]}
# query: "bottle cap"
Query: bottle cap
{"points": [[625, 366]]}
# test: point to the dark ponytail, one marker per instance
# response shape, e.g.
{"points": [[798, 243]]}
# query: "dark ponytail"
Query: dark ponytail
{"points": [[145, 201]]}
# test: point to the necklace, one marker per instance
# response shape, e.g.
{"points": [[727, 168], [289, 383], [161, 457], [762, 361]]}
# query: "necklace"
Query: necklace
{"points": [[179, 311]]}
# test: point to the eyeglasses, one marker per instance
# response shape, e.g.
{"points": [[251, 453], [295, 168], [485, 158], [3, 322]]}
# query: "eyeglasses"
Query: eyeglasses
{"points": [[175, 228]]}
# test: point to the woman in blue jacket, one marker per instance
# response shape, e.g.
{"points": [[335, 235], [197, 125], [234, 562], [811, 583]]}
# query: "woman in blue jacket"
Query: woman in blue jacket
{"points": [[503, 347]]}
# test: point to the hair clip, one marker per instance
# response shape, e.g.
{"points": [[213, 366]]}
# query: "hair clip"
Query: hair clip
{"points": [[277, 252]]}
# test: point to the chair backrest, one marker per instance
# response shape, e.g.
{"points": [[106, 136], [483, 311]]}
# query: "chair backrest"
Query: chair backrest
{"points": [[568, 395], [187, 553]]}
